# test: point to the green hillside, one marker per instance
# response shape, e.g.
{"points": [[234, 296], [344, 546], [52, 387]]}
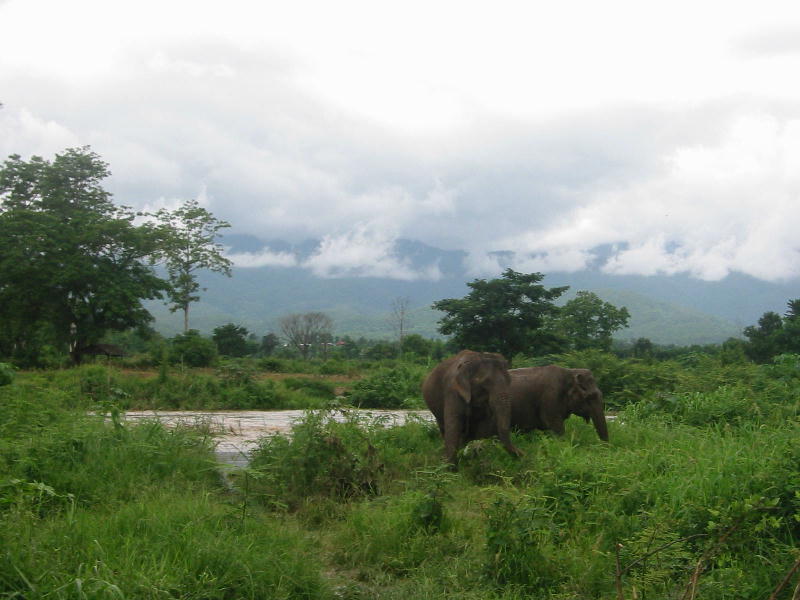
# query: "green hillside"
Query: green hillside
{"points": [[362, 307]]}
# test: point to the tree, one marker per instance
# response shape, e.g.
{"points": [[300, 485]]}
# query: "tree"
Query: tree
{"points": [[586, 322], [642, 348], [189, 244], [399, 317], [303, 330], [231, 340], [268, 344], [72, 264], [193, 350], [764, 340], [416, 344], [774, 334], [503, 315]]}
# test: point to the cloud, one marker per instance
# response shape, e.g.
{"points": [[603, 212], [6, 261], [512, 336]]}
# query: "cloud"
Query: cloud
{"points": [[365, 251], [25, 133], [542, 143], [264, 258], [769, 43], [714, 209]]}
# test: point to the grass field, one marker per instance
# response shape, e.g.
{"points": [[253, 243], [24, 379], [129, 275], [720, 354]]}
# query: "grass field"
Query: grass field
{"points": [[697, 495]]}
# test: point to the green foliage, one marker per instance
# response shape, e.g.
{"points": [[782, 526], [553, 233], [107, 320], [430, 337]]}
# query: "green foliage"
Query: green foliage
{"points": [[231, 340], [398, 387], [269, 343], [319, 388], [6, 374], [322, 457], [724, 406], [192, 350], [348, 507], [586, 322], [504, 315], [73, 265], [188, 244], [94, 509], [774, 334], [521, 544]]}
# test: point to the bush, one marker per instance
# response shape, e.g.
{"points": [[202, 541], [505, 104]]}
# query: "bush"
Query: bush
{"points": [[323, 457], [389, 388], [6, 374], [193, 350], [521, 540], [318, 388]]}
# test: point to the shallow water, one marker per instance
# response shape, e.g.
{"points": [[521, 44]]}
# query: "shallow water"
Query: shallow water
{"points": [[239, 430]]}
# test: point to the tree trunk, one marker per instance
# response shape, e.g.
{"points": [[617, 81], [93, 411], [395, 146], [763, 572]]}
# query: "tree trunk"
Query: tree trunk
{"points": [[185, 318]]}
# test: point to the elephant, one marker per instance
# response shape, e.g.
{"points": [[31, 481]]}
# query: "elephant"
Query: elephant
{"points": [[466, 391], [543, 397]]}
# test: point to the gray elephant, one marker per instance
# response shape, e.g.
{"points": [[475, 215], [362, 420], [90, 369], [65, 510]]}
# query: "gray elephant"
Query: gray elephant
{"points": [[464, 393], [543, 397]]}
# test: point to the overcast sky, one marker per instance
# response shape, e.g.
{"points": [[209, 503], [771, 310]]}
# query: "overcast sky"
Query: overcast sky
{"points": [[668, 131]]}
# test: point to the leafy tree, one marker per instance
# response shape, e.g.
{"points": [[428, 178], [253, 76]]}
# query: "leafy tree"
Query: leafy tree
{"points": [[193, 350], [231, 340], [268, 344], [586, 322], [763, 339], [642, 348], [381, 349], [503, 315], [774, 334], [416, 344], [190, 244], [302, 330], [72, 264]]}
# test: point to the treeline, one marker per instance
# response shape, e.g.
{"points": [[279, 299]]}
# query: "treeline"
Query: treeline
{"points": [[75, 269], [75, 266]]}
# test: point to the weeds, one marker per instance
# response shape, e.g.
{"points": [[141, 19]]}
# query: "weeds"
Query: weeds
{"points": [[697, 495]]}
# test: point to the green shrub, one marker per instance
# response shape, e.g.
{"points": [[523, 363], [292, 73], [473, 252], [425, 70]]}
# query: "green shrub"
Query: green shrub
{"points": [[318, 388], [193, 350], [235, 372], [389, 388], [521, 545], [724, 406], [6, 374], [176, 543], [323, 457]]}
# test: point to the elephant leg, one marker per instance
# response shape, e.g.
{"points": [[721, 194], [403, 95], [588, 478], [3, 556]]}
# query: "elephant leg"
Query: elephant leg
{"points": [[453, 440], [455, 430]]}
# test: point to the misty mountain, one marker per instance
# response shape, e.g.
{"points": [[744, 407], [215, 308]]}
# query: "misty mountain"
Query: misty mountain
{"points": [[667, 309]]}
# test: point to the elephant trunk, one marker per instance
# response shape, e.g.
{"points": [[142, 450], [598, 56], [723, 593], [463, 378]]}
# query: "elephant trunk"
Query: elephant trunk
{"points": [[599, 420], [501, 401]]}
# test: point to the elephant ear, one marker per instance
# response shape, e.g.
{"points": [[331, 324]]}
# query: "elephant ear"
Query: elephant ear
{"points": [[578, 389], [461, 378]]}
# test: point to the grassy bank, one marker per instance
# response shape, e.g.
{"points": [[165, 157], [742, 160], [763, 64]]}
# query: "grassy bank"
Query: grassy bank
{"points": [[698, 490]]}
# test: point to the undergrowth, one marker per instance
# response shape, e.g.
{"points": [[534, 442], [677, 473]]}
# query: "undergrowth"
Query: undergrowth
{"points": [[697, 495]]}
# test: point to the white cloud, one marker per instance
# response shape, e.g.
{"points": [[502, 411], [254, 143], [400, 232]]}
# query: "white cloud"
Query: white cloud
{"points": [[715, 209], [264, 258], [365, 251], [24, 133], [507, 128]]}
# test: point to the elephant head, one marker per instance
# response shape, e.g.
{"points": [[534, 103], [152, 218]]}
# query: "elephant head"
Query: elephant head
{"points": [[466, 392], [585, 399]]}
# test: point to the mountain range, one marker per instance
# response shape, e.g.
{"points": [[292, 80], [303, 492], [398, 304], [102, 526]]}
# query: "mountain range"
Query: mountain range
{"points": [[667, 309]]}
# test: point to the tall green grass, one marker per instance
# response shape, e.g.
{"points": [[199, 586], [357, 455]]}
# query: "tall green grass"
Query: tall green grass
{"points": [[698, 486]]}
